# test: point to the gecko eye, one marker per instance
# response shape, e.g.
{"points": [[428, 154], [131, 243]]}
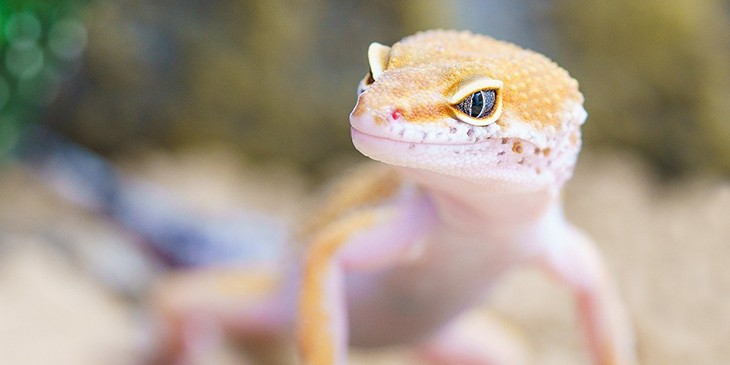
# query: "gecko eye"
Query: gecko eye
{"points": [[478, 102]]}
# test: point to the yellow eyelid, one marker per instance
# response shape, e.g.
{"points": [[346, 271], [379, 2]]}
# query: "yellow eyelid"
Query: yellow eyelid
{"points": [[378, 56], [471, 87]]}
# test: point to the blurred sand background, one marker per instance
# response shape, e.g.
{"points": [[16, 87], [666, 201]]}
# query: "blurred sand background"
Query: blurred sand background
{"points": [[667, 243], [243, 104]]}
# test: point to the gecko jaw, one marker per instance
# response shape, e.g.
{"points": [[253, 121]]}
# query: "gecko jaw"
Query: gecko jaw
{"points": [[491, 163]]}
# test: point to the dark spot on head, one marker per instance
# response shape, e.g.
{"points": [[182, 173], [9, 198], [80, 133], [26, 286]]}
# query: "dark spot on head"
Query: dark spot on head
{"points": [[500, 153], [517, 147], [411, 146], [504, 140], [452, 130], [537, 150], [470, 132], [521, 161]]}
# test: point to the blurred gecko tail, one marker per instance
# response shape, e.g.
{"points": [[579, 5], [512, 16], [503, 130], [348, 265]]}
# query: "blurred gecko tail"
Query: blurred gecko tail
{"points": [[179, 238]]}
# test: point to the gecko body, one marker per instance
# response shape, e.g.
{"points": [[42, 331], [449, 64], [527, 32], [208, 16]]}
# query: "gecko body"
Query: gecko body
{"points": [[476, 138]]}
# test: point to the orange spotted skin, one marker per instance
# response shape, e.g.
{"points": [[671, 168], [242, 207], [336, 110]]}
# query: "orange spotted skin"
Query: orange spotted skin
{"points": [[408, 111], [536, 89]]}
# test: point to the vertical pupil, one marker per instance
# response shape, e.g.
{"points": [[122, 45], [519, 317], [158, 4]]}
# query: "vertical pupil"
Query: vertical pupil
{"points": [[477, 104]]}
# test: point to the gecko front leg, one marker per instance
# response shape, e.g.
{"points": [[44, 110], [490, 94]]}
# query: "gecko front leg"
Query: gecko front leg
{"points": [[365, 240], [575, 261]]}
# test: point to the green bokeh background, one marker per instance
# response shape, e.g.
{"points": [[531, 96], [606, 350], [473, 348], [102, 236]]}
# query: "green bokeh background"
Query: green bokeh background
{"points": [[40, 42]]}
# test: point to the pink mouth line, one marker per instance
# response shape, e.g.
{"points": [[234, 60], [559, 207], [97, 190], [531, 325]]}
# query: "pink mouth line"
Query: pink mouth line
{"points": [[354, 131]]}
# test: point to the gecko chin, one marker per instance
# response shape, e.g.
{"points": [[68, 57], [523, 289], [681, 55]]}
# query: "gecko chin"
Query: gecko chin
{"points": [[498, 164]]}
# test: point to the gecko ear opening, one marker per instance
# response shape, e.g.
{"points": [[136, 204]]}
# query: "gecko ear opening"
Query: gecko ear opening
{"points": [[478, 101], [378, 57]]}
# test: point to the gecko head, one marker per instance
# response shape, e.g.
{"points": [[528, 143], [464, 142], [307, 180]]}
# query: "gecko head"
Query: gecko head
{"points": [[459, 105]]}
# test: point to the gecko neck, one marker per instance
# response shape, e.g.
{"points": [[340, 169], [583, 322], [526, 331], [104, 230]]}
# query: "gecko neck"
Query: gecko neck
{"points": [[466, 205]]}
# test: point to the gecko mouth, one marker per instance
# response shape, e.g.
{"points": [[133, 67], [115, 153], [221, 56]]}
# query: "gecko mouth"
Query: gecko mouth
{"points": [[356, 133], [384, 148], [444, 132]]}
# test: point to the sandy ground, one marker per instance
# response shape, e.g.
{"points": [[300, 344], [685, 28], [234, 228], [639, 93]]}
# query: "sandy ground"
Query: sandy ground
{"points": [[668, 244]]}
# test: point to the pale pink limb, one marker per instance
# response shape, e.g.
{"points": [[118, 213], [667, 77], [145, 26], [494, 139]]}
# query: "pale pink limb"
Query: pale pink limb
{"points": [[574, 260], [198, 307]]}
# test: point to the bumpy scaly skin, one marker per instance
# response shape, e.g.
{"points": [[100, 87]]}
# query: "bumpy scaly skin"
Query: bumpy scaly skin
{"points": [[402, 249], [536, 139]]}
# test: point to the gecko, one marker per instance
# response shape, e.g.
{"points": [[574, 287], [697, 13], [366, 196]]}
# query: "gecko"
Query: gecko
{"points": [[473, 139]]}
